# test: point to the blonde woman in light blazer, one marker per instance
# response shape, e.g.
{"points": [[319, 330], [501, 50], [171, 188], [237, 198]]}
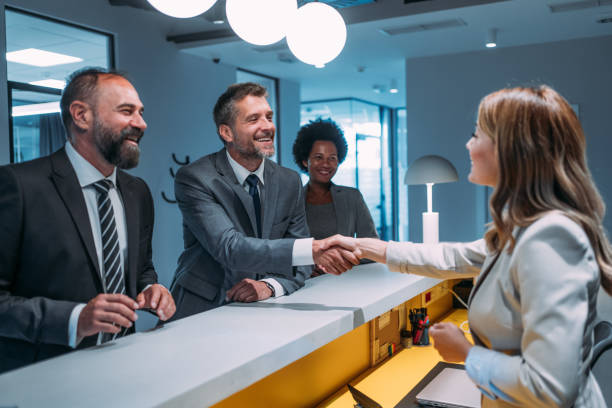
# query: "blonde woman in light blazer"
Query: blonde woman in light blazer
{"points": [[538, 267]]}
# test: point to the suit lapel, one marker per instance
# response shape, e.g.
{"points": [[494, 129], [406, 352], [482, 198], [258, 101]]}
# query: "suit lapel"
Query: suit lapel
{"points": [[68, 188], [132, 224], [225, 170], [341, 209], [271, 188]]}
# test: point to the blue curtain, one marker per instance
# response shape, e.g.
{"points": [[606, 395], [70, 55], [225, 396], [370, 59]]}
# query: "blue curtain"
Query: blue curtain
{"points": [[52, 134]]}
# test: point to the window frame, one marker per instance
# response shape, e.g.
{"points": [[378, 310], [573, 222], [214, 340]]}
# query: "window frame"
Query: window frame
{"points": [[24, 86]]}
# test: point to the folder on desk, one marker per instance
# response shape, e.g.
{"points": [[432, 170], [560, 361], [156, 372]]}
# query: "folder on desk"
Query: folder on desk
{"points": [[361, 399]]}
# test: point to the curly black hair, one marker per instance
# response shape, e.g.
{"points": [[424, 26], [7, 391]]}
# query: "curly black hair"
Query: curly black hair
{"points": [[320, 129]]}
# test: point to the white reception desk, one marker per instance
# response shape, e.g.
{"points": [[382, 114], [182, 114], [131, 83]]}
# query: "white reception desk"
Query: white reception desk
{"points": [[201, 360]]}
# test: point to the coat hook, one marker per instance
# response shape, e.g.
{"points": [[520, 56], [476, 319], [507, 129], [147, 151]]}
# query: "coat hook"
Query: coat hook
{"points": [[180, 163], [167, 199]]}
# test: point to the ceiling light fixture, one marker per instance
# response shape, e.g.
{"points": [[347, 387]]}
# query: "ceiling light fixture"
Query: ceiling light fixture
{"points": [[50, 83], [40, 58], [393, 88], [261, 22], [182, 8], [321, 45], [36, 109], [491, 38]]}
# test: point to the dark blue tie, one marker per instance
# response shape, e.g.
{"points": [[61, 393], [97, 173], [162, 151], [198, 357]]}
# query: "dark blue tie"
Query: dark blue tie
{"points": [[252, 181]]}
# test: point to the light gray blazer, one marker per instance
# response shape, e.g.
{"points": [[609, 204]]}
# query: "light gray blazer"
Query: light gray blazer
{"points": [[536, 305], [352, 214], [219, 227]]}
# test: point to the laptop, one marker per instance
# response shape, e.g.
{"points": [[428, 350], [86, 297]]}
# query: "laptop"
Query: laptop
{"points": [[451, 388], [362, 400]]}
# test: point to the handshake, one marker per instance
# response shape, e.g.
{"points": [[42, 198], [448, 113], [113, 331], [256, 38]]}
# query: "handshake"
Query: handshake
{"points": [[336, 254]]}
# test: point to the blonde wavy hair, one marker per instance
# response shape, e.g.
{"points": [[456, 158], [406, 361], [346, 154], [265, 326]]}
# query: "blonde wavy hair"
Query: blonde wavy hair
{"points": [[541, 152]]}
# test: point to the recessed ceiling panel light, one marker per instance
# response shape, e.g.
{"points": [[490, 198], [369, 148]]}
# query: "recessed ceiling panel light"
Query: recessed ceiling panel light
{"points": [[40, 58], [50, 83], [36, 109]]}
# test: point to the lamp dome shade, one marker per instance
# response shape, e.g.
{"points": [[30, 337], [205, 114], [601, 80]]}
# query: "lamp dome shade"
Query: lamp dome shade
{"points": [[431, 169], [260, 22], [182, 8], [317, 34]]}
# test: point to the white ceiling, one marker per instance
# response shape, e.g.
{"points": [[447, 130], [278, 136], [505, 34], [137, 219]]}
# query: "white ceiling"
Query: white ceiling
{"points": [[519, 22]]}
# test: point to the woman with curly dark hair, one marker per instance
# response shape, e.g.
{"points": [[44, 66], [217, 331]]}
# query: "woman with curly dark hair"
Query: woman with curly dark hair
{"points": [[330, 209]]}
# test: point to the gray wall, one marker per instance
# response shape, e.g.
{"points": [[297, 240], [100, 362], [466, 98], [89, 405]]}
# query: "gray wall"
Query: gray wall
{"points": [[289, 121], [442, 97], [178, 90]]}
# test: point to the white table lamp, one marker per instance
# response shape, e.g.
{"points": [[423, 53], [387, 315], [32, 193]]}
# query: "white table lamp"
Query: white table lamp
{"points": [[430, 170]]}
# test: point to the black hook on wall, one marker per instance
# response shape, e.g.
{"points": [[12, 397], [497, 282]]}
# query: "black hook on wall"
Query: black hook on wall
{"points": [[180, 163], [172, 174]]}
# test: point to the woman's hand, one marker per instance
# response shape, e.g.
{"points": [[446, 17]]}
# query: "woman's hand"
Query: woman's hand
{"points": [[450, 342]]}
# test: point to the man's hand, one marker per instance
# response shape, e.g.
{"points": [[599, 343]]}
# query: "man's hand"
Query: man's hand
{"points": [[158, 298], [248, 290], [335, 259], [450, 342], [106, 313]]}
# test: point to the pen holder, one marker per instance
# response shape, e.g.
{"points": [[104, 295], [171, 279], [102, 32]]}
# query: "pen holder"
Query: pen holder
{"points": [[419, 323]]}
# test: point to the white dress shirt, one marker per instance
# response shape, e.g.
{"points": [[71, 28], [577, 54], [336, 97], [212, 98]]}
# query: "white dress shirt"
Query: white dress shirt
{"points": [[302, 247]]}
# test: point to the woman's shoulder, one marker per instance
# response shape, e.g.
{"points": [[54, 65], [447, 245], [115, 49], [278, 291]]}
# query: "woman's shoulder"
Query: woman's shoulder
{"points": [[345, 190], [554, 226]]}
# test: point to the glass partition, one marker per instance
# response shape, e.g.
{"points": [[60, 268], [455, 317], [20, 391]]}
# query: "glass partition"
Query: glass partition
{"points": [[41, 53]]}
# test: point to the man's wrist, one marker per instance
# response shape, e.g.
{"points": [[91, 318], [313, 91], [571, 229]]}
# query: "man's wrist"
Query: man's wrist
{"points": [[271, 288]]}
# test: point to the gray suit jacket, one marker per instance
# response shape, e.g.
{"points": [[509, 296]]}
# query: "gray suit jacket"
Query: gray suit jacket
{"points": [[352, 215], [219, 227], [534, 310]]}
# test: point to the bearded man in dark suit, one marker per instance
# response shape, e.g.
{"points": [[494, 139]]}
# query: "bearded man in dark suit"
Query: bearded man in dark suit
{"points": [[75, 231]]}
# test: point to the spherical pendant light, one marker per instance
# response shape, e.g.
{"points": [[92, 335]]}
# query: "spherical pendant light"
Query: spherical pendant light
{"points": [[182, 8], [260, 22], [317, 34]]}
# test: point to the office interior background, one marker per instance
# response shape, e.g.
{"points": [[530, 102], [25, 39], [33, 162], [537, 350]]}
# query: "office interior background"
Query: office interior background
{"points": [[433, 52]]}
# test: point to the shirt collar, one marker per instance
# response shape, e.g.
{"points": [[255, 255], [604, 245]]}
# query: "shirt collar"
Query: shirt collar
{"points": [[86, 173], [242, 173]]}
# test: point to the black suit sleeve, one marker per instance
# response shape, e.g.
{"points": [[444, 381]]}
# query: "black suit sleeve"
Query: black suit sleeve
{"points": [[36, 319]]}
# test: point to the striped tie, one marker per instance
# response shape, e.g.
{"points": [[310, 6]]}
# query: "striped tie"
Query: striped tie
{"points": [[113, 268]]}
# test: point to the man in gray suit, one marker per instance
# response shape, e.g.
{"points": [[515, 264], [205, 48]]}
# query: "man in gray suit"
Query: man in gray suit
{"points": [[244, 223]]}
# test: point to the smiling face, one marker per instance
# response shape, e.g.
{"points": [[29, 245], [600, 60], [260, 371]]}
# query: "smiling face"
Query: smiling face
{"points": [[322, 162], [251, 138], [118, 124], [485, 168]]}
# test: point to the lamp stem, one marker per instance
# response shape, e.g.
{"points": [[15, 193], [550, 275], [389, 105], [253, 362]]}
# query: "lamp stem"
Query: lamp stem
{"points": [[429, 194]]}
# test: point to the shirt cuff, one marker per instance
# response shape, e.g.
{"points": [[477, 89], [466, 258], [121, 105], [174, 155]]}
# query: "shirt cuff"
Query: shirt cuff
{"points": [[302, 252], [73, 325], [278, 288], [480, 364]]}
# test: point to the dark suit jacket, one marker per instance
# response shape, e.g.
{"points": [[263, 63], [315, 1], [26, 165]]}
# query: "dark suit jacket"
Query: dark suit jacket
{"points": [[219, 227], [352, 215], [48, 261]]}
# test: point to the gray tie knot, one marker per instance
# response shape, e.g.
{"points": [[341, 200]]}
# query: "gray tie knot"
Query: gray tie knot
{"points": [[102, 186]]}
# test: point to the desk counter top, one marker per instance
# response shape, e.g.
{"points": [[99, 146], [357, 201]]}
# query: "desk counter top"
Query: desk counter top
{"points": [[202, 359]]}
